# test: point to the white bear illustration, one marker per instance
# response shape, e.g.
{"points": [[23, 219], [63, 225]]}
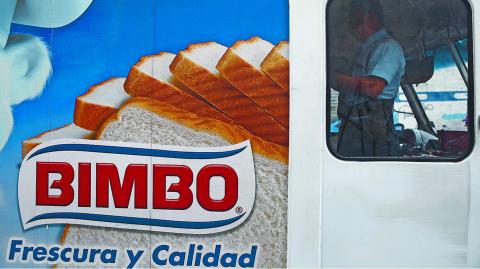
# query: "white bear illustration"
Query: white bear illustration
{"points": [[24, 59]]}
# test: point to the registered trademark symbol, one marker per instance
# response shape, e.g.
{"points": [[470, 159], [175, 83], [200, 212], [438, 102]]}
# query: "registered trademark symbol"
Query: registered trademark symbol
{"points": [[239, 210]]}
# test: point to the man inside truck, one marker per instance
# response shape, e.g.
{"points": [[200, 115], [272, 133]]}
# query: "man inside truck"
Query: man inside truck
{"points": [[368, 90]]}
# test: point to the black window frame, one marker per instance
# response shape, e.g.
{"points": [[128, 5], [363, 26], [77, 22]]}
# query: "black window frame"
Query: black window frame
{"points": [[470, 102]]}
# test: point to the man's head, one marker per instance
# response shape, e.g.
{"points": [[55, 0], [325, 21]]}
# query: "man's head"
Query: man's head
{"points": [[365, 18]]}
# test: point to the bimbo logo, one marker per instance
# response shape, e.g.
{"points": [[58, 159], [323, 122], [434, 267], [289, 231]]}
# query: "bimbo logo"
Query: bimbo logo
{"points": [[137, 186]]}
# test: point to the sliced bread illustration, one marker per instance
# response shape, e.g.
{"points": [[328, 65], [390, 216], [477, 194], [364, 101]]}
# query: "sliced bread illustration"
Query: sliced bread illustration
{"points": [[68, 131], [149, 121], [99, 103], [195, 68], [240, 66], [277, 66], [151, 77]]}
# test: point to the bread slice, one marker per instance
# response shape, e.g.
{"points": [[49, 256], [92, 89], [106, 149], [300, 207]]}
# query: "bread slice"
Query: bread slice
{"points": [[240, 66], [277, 66], [151, 77], [148, 121], [195, 67], [68, 131], [99, 103], [231, 133]]}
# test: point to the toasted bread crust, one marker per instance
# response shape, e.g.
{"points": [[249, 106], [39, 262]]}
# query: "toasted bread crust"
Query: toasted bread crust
{"points": [[140, 84], [231, 133], [227, 99], [28, 145], [255, 84], [63, 237], [277, 67], [90, 116]]}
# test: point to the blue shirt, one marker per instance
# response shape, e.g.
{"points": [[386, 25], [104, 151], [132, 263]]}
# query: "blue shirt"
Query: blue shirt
{"points": [[381, 56]]}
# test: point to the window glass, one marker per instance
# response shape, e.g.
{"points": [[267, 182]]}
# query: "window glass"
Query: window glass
{"points": [[462, 46], [444, 100], [398, 79]]}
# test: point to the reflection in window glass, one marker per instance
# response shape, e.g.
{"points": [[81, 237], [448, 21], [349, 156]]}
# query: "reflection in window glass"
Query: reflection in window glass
{"points": [[462, 46], [443, 97], [398, 79]]}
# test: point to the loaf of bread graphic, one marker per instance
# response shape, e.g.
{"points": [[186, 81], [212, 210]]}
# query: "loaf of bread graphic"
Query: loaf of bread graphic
{"points": [[206, 95]]}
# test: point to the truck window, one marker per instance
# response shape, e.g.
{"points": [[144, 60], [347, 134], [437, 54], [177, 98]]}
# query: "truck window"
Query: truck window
{"points": [[399, 80]]}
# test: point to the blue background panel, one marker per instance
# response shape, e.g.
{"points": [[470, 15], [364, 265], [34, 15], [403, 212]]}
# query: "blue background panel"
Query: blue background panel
{"points": [[105, 42]]}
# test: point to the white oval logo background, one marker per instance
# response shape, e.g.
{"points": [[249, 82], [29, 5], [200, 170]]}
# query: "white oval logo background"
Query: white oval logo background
{"points": [[194, 220]]}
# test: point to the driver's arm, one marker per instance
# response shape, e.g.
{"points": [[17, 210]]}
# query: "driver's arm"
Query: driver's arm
{"points": [[371, 86], [386, 63]]}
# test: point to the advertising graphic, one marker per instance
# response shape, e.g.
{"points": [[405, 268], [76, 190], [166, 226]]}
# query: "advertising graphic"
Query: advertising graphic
{"points": [[89, 171], [141, 134]]}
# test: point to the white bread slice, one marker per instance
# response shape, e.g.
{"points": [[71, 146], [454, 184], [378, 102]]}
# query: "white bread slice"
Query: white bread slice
{"points": [[151, 77], [277, 66], [195, 67], [68, 131], [240, 66], [148, 121], [99, 103]]}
